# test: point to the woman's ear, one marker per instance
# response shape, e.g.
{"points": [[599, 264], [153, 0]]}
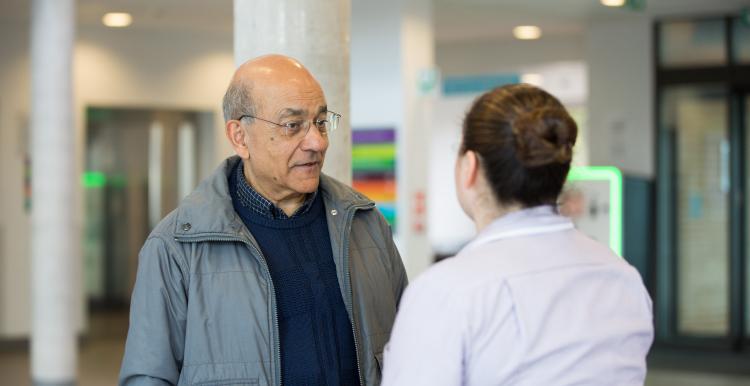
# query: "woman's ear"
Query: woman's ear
{"points": [[237, 138], [469, 169], [467, 165]]}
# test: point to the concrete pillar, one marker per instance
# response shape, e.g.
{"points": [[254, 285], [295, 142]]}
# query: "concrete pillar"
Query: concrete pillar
{"points": [[54, 237], [317, 34]]}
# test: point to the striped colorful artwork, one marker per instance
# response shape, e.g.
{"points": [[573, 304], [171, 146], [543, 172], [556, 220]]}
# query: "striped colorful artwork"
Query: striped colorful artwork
{"points": [[374, 168]]}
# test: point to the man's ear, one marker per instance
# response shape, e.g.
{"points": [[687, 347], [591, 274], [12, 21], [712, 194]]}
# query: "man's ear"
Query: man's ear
{"points": [[237, 138]]}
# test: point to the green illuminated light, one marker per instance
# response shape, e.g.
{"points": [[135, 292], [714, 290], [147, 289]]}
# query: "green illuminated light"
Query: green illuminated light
{"points": [[612, 175], [92, 180]]}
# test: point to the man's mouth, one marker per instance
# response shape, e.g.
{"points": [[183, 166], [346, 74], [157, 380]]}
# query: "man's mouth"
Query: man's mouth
{"points": [[308, 164]]}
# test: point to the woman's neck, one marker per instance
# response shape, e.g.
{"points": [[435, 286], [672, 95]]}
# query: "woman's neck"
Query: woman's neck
{"points": [[485, 214]]}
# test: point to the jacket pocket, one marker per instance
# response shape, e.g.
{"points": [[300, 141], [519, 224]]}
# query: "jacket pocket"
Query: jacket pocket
{"points": [[230, 382]]}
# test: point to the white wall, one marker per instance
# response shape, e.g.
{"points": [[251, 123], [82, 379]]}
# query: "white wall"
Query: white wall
{"points": [[559, 60], [618, 100], [376, 82], [112, 67], [449, 227], [618, 55], [506, 55], [14, 223], [391, 43], [418, 56], [621, 95]]}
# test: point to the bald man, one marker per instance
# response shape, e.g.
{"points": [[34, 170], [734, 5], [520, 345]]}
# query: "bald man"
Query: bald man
{"points": [[270, 272]]}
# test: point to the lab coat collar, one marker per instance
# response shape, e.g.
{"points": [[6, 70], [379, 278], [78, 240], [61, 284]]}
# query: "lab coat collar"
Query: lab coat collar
{"points": [[525, 222]]}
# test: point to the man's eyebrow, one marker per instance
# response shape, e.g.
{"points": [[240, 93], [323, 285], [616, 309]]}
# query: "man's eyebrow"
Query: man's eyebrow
{"points": [[289, 112]]}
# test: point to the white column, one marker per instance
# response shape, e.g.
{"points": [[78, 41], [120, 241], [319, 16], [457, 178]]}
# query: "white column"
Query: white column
{"points": [[392, 48], [186, 165], [317, 34], [155, 167], [55, 303], [417, 60]]}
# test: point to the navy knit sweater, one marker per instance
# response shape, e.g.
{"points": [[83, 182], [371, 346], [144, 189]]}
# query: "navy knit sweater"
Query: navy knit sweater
{"points": [[317, 346]]}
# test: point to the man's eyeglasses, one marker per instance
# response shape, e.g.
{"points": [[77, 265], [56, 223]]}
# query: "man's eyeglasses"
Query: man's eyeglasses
{"points": [[300, 127]]}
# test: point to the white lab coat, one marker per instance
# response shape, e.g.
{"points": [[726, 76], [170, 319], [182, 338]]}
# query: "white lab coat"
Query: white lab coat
{"points": [[531, 301]]}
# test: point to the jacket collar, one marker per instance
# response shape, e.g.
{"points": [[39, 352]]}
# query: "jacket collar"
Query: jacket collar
{"points": [[208, 210]]}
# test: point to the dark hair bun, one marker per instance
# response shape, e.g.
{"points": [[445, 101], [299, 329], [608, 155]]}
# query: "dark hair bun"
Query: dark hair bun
{"points": [[544, 136], [524, 137]]}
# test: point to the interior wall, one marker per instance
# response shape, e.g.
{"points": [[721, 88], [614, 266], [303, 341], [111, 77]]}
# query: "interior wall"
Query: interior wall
{"points": [[392, 44], [619, 54], [559, 60], [15, 221], [112, 67], [376, 82], [506, 55]]}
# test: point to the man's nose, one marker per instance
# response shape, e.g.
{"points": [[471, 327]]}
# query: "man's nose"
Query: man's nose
{"points": [[314, 140]]}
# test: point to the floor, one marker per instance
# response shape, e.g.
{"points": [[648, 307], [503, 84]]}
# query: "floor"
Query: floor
{"points": [[101, 353], [98, 362]]}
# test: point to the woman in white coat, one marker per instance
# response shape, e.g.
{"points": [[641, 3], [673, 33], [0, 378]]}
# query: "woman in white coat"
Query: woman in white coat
{"points": [[531, 300]]}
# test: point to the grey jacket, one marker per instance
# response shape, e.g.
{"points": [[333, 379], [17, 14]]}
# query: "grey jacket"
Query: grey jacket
{"points": [[203, 310]]}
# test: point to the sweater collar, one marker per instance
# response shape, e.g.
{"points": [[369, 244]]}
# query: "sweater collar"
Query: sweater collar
{"points": [[250, 199]]}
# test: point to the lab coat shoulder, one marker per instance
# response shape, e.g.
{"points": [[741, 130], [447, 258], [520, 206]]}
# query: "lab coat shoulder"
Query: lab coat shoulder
{"points": [[519, 256], [446, 301]]}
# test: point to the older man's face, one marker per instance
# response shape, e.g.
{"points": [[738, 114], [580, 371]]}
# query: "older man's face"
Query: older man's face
{"points": [[283, 165]]}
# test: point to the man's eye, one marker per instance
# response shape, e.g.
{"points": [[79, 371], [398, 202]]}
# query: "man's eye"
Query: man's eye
{"points": [[293, 127], [321, 123]]}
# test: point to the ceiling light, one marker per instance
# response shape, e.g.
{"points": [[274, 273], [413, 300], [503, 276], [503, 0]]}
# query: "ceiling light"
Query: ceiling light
{"points": [[117, 19], [527, 32], [533, 79], [613, 3]]}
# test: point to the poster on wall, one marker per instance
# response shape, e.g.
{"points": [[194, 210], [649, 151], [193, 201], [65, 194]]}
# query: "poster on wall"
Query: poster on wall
{"points": [[374, 168], [592, 198]]}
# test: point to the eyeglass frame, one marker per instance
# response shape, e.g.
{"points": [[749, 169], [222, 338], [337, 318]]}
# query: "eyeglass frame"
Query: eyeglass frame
{"points": [[286, 127]]}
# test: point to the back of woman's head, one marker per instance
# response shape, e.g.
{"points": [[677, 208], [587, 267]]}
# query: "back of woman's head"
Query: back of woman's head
{"points": [[524, 138]]}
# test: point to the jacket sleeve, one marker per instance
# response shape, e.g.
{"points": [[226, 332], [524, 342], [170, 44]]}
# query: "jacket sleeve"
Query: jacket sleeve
{"points": [[401, 280], [399, 277], [156, 336]]}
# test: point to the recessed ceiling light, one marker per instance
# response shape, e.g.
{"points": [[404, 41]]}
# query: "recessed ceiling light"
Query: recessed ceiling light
{"points": [[527, 32], [117, 19], [613, 3], [532, 78]]}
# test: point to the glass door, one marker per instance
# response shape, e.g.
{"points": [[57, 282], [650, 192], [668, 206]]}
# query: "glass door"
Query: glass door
{"points": [[695, 131], [139, 164], [702, 289]]}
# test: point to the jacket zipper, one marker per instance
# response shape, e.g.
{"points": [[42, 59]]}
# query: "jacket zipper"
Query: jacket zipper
{"points": [[347, 272], [277, 345]]}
